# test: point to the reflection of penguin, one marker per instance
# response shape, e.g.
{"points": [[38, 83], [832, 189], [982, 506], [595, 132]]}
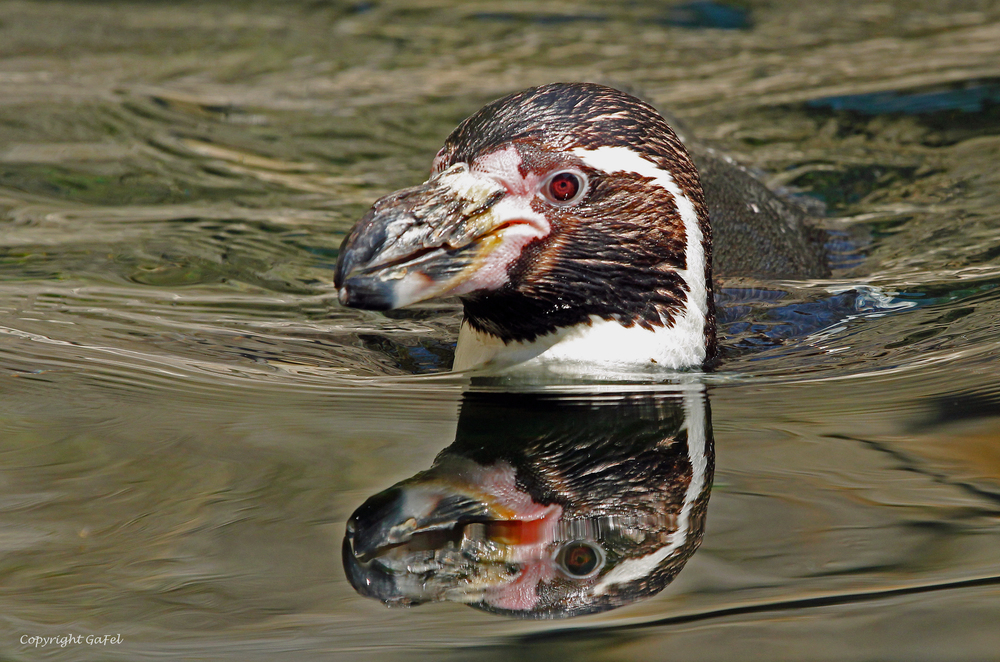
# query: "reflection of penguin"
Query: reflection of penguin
{"points": [[544, 506]]}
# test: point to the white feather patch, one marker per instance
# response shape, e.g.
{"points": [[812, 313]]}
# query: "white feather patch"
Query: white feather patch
{"points": [[601, 342]]}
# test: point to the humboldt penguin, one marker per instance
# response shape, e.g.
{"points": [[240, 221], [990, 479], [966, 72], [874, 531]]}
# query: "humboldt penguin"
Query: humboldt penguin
{"points": [[572, 222]]}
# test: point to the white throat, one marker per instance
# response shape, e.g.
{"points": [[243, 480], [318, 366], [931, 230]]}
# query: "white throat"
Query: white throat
{"points": [[601, 342]]}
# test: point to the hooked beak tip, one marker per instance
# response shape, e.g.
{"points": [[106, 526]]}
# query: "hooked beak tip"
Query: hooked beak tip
{"points": [[368, 292]]}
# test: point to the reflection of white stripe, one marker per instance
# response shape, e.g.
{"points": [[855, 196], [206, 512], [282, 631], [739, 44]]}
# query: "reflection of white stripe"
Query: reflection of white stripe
{"points": [[689, 328], [633, 569]]}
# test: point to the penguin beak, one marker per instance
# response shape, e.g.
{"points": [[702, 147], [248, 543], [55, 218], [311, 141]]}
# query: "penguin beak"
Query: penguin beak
{"points": [[442, 538], [437, 239]]}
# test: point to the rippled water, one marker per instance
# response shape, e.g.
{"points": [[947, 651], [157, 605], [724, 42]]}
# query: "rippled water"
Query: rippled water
{"points": [[188, 417]]}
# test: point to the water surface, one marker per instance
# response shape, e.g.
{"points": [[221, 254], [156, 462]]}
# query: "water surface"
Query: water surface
{"points": [[188, 417]]}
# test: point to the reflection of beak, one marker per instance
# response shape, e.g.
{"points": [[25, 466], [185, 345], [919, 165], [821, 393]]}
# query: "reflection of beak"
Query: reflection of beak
{"points": [[396, 516], [426, 241], [392, 530], [439, 539]]}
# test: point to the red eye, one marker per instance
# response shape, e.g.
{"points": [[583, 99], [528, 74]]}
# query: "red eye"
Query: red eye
{"points": [[564, 186]]}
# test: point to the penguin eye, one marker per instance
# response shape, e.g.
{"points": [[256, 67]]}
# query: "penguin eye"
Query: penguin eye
{"points": [[580, 559], [565, 187]]}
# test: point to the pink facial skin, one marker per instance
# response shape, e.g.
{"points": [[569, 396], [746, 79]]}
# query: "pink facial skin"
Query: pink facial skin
{"points": [[520, 223], [522, 593], [499, 481], [492, 272]]}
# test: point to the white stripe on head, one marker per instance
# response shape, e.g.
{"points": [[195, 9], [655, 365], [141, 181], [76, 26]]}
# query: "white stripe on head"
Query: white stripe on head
{"points": [[690, 325], [694, 422]]}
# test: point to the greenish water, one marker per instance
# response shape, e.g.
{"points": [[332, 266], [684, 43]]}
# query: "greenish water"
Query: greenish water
{"points": [[188, 417]]}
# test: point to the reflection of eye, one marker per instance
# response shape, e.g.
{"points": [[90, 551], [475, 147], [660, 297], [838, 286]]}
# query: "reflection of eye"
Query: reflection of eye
{"points": [[581, 559], [565, 187]]}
